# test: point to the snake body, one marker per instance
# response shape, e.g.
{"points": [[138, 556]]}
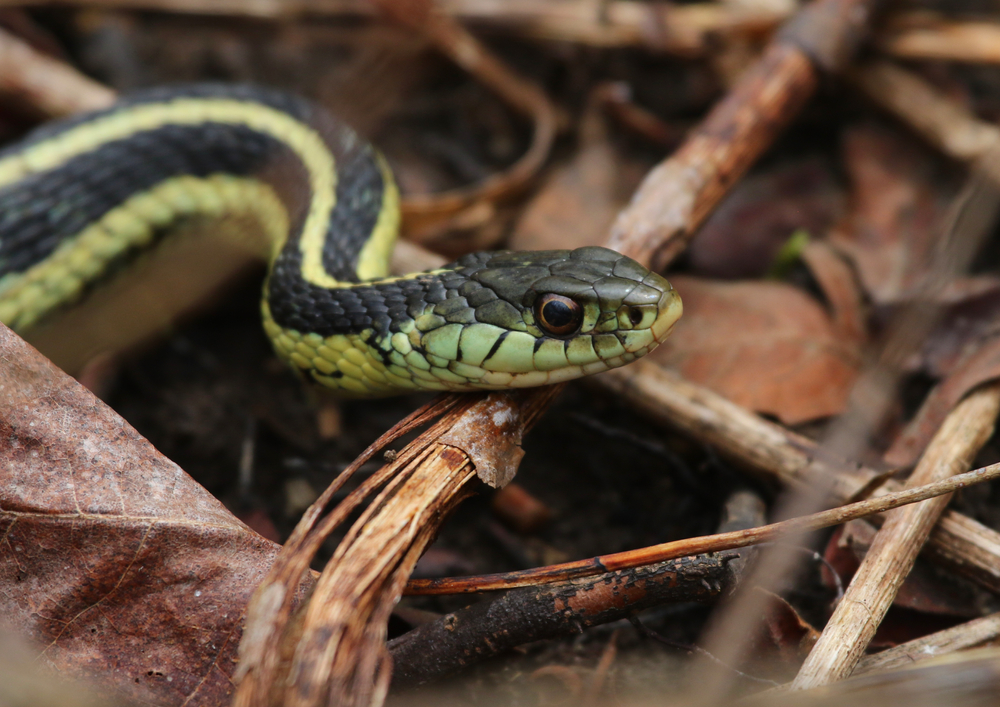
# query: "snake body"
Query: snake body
{"points": [[83, 199]]}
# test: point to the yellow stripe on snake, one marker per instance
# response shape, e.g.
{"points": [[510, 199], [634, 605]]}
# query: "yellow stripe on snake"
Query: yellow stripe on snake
{"points": [[83, 200]]}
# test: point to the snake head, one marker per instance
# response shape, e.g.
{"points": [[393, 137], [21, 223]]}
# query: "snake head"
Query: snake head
{"points": [[532, 318]]}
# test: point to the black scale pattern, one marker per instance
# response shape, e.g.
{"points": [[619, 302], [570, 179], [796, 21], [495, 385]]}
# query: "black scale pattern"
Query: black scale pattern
{"points": [[40, 211]]}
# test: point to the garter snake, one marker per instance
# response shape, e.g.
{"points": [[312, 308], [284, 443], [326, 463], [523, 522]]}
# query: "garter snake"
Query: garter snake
{"points": [[82, 200]]}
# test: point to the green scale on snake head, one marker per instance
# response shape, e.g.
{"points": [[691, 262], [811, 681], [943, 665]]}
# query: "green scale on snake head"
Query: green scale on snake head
{"points": [[188, 173]]}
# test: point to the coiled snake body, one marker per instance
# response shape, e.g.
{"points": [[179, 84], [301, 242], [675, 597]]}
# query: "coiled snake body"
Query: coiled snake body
{"points": [[83, 200]]}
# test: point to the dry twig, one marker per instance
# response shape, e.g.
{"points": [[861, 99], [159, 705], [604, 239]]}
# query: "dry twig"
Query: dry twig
{"points": [[968, 635], [449, 37], [707, 543], [679, 193], [47, 85], [769, 449], [484, 630], [891, 556]]}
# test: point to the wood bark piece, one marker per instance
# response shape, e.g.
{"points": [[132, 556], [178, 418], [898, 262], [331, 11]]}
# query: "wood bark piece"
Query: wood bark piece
{"points": [[274, 599], [341, 647], [334, 651], [891, 556], [483, 630], [958, 541]]}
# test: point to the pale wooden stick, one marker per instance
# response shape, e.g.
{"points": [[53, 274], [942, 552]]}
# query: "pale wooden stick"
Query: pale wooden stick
{"points": [[898, 543], [968, 635], [940, 120], [50, 86], [940, 40]]}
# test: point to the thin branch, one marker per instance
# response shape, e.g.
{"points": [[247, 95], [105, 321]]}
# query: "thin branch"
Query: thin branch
{"points": [[484, 630], [49, 86], [895, 549], [709, 543]]}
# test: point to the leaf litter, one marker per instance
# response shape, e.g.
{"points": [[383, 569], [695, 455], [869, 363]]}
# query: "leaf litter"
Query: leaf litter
{"points": [[128, 566], [114, 561]]}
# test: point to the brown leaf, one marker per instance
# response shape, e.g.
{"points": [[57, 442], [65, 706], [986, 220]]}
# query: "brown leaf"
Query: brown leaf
{"points": [[742, 236], [978, 367], [765, 345], [836, 280], [791, 635], [576, 205], [896, 210], [963, 350], [924, 590], [971, 316], [113, 560]]}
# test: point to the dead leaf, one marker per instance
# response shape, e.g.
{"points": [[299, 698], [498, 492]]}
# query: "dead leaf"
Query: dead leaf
{"points": [[576, 205], [896, 210], [978, 367], [971, 316], [117, 564], [924, 590], [764, 345], [836, 279], [742, 236], [789, 633]]}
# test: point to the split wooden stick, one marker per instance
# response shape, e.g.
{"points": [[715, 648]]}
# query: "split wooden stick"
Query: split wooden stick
{"points": [[898, 543]]}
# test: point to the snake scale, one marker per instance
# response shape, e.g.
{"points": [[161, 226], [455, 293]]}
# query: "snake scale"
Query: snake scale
{"points": [[84, 199]]}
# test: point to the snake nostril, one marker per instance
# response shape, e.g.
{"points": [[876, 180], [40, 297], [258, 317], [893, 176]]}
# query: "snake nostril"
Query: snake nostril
{"points": [[635, 316]]}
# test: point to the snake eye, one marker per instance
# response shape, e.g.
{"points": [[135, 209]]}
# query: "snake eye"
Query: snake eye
{"points": [[558, 315]]}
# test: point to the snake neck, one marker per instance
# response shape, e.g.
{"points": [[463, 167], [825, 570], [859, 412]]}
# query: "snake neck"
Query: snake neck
{"points": [[82, 199]]}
